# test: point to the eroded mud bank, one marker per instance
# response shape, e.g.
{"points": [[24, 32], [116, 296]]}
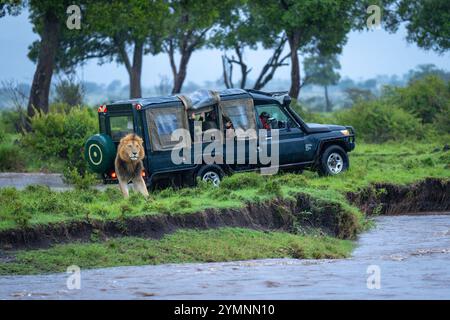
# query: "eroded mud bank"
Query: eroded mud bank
{"points": [[430, 195], [302, 212]]}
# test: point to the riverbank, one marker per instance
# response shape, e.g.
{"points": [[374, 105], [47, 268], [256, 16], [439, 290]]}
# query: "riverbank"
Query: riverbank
{"points": [[413, 262], [395, 179]]}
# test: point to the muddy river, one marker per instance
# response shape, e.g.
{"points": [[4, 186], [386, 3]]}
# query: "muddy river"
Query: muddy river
{"points": [[403, 257]]}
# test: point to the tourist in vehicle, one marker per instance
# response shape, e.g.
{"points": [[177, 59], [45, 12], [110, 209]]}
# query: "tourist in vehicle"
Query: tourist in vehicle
{"points": [[264, 118]]}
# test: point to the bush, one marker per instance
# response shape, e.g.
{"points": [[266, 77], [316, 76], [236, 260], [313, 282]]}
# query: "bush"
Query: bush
{"points": [[62, 135], [312, 117], [69, 92], [11, 157], [2, 132], [427, 98], [377, 121], [271, 187], [241, 181], [12, 121], [79, 180]]}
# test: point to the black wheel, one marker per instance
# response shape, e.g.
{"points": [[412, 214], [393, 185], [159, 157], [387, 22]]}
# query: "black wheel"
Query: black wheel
{"points": [[334, 160], [211, 173]]}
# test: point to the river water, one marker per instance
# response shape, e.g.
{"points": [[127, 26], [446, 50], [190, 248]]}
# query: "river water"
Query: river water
{"points": [[407, 257]]}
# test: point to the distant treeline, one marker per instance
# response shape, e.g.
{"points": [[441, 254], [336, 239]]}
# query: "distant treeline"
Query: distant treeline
{"points": [[342, 95]]}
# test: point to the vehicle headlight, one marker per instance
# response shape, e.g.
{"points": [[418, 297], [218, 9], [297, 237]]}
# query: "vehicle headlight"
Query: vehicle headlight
{"points": [[345, 132]]}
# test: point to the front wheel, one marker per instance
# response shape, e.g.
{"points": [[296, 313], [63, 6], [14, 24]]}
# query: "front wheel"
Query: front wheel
{"points": [[334, 160], [212, 174]]}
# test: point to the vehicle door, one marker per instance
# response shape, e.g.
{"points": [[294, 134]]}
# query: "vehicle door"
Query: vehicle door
{"points": [[240, 134], [291, 138], [160, 123]]}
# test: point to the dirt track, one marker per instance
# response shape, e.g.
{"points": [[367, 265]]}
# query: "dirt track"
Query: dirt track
{"points": [[21, 180]]}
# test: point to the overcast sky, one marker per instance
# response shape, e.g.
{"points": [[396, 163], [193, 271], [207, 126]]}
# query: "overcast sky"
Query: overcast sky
{"points": [[366, 55]]}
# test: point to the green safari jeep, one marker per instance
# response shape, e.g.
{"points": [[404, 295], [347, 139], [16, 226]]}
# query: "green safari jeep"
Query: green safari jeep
{"points": [[267, 122]]}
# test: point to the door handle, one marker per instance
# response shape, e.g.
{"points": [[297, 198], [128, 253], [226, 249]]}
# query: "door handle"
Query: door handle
{"points": [[268, 138]]}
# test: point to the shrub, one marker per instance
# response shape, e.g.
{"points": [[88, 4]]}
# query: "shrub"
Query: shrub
{"points": [[69, 92], [11, 157], [377, 121], [242, 180], [2, 131], [12, 120], [427, 98], [312, 117], [271, 187], [292, 180], [79, 181], [59, 134]]}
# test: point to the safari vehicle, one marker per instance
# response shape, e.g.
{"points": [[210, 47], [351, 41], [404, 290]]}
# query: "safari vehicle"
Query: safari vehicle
{"points": [[300, 145]]}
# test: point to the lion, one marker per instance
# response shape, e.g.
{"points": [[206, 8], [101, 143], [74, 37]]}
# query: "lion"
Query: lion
{"points": [[128, 164]]}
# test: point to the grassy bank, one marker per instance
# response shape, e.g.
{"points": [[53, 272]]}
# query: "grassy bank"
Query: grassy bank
{"points": [[394, 163], [391, 163], [227, 244]]}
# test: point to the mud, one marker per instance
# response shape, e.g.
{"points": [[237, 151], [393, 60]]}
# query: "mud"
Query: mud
{"points": [[430, 195], [304, 212]]}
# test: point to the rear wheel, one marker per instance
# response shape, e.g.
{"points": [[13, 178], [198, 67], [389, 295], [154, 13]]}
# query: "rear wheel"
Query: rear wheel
{"points": [[334, 160], [100, 151], [211, 173]]}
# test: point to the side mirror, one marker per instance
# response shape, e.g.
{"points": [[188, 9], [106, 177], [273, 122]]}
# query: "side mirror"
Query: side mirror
{"points": [[287, 101]]}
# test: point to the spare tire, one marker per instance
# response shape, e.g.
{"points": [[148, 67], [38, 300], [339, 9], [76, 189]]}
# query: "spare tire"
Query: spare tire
{"points": [[100, 152]]}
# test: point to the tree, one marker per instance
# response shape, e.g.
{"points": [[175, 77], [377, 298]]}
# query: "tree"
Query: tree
{"points": [[427, 23], [188, 25], [139, 32], [11, 7], [49, 22], [118, 28], [424, 70], [242, 29], [311, 27], [321, 70], [48, 18]]}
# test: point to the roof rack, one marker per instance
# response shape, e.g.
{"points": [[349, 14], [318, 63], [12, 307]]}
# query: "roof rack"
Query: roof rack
{"points": [[269, 94]]}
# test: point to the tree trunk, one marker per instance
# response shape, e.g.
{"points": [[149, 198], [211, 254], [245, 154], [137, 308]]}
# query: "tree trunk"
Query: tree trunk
{"points": [[180, 75], [226, 81], [40, 88], [244, 68], [328, 105], [135, 72], [275, 61], [294, 43]]}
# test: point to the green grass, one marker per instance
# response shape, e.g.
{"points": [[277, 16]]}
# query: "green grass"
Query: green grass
{"points": [[226, 244], [393, 163]]}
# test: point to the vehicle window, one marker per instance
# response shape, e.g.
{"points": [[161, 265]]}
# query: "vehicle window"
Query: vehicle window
{"points": [[272, 117], [162, 123], [238, 116], [239, 119], [166, 123], [120, 126], [200, 122]]}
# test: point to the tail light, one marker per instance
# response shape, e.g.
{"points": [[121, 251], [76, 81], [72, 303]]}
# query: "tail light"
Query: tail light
{"points": [[113, 174], [138, 106], [102, 109]]}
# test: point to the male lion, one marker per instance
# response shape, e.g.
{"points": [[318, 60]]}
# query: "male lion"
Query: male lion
{"points": [[128, 164]]}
